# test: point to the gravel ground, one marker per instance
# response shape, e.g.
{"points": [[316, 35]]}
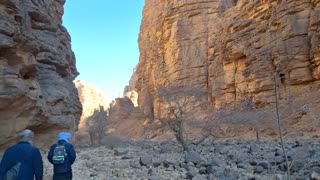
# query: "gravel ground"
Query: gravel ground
{"points": [[211, 160]]}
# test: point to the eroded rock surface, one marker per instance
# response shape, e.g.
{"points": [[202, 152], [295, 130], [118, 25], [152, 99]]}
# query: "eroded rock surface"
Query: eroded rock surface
{"points": [[126, 119], [120, 117], [229, 48], [91, 99], [37, 67]]}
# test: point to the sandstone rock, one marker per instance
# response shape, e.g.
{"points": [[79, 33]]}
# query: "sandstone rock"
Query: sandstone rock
{"points": [[191, 173], [258, 169], [227, 174], [193, 157], [254, 148], [121, 165], [134, 164], [215, 161], [133, 96], [120, 152], [125, 120], [242, 166], [299, 153], [91, 99], [155, 177], [122, 108], [37, 67], [264, 164], [228, 48], [279, 159], [145, 160], [297, 165]]}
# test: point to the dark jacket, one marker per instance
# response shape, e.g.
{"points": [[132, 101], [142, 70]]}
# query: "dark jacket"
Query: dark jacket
{"points": [[71, 157], [30, 158]]}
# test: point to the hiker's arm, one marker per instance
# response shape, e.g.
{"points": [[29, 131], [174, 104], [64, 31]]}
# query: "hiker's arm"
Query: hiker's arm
{"points": [[4, 165], [50, 155], [72, 154], [38, 164]]}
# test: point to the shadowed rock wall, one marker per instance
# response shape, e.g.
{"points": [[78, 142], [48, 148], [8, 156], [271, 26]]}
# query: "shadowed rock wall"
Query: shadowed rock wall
{"points": [[37, 67]]}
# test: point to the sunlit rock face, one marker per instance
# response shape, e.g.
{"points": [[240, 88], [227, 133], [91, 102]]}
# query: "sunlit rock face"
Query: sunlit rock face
{"points": [[37, 67], [129, 91], [91, 99], [126, 118], [122, 116], [229, 48]]}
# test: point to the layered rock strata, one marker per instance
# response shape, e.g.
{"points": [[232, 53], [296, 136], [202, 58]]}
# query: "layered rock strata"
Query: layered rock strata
{"points": [[229, 48], [37, 67]]}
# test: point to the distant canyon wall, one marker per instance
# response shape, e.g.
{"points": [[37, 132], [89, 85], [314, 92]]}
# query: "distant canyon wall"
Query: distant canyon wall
{"points": [[102, 117], [91, 99], [229, 48], [37, 67]]}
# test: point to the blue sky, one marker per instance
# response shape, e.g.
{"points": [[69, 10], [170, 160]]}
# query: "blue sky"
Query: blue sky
{"points": [[104, 38]]}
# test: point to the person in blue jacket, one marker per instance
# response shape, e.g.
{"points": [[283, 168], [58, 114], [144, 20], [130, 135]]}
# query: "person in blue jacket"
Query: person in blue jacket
{"points": [[28, 155], [63, 171]]}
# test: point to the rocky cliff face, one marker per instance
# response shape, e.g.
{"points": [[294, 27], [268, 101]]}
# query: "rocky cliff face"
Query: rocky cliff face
{"points": [[37, 67], [101, 117], [91, 99], [229, 48]]}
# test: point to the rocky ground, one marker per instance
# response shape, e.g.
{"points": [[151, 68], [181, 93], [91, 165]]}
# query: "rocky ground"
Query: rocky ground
{"points": [[211, 160]]}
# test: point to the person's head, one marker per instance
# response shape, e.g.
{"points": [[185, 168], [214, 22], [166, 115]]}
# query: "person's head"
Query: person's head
{"points": [[64, 136], [26, 135]]}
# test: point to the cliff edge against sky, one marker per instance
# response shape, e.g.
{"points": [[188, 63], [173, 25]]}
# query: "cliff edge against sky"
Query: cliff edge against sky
{"points": [[37, 67]]}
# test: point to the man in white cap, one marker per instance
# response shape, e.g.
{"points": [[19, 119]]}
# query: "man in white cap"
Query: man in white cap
{"points": [[24, 158], [62, 155]]}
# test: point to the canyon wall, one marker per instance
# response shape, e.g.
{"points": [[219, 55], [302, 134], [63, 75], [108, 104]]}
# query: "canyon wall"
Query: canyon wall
{"points": [[37, 67], [91, 99], [229, 48], [102, 118]]}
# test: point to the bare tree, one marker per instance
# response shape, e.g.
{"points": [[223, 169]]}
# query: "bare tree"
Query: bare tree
{"points": [[178, 105], [97, 124]]}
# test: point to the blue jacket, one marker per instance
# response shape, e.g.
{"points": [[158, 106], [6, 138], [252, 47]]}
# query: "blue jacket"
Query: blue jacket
{"points": [[30, 158], [71, 157]]}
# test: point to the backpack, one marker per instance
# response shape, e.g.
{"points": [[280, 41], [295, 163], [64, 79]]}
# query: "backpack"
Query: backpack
{"points": [[13, 173], [59, 154]]}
